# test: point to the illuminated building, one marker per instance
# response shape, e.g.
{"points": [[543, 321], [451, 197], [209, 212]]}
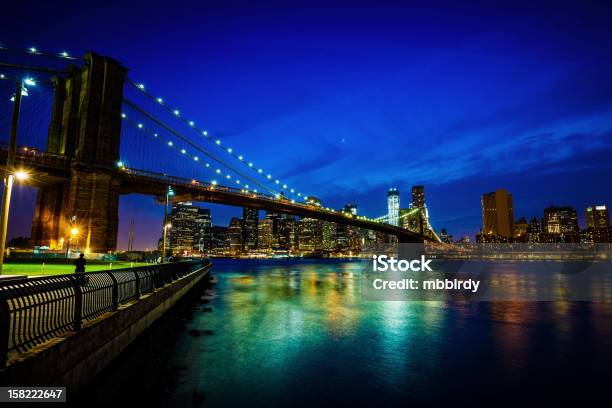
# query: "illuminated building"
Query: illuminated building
{"points": [[266, 234], [520, 230], [190, 229], [234, 235], [418, 201], [329, 236], [497, 215], [560, 224], [393, 204], [310, 235], [534, 229], [250, 232], [597, 216], [219, 239]]}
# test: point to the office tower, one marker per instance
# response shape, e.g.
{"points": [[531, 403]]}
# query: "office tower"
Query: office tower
{"points": [[418, 201], [250, 221], [286, 232], [520, 228], [329, 236], [266, 234], [234, 235], [560, 224], [534, 229], [498, 214], [219, 239], [190, 228], [393, 203], [598, 225], [597, 216], [310, 235]]}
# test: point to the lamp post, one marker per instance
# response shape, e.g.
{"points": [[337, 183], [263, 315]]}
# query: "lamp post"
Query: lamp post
{"points": [[73, 233], [9, 173], [169, 193]]}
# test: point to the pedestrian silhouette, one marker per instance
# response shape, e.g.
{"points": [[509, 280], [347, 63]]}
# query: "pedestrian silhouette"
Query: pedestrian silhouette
{"points": [[80, 264]]}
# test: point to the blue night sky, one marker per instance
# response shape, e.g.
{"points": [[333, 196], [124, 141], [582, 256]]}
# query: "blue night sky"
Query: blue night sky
{"points": [[344, 100]]}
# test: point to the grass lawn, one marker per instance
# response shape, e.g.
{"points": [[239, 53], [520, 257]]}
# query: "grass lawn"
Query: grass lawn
{"points": [[38, 269]]}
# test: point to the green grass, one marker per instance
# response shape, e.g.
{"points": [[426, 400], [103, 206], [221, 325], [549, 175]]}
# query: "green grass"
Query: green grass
{"points": [[38, 269]]}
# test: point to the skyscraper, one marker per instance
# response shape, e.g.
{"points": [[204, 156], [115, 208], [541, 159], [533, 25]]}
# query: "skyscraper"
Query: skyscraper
{"points": [[190, 228], [597, 216], [498, 214], [418, 201], [561, 224], [265, 232], [393, 204], [234, 235], [250, 231]]}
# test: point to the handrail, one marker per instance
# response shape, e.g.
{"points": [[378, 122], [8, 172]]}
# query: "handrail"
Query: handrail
{"points": [[35, 310]]}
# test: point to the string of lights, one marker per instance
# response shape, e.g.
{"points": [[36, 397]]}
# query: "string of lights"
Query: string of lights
{"points": [[186, 140], [35, 51], [191, 124]]}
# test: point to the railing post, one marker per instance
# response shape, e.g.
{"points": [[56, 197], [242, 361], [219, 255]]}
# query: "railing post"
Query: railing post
{"points": [[5, 322], [115, 292], [78, 302], [136, 284]]}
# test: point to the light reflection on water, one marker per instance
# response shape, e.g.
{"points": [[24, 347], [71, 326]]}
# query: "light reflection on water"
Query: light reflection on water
{"points": [[298, 333]]}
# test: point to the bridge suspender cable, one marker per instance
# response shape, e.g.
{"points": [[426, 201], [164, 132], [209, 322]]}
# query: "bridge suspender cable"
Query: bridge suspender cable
{"points": [[191, 124], [192, 144]]}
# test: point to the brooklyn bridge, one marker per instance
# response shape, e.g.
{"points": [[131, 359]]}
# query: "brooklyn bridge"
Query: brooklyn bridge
{"points": [[101, 134]]}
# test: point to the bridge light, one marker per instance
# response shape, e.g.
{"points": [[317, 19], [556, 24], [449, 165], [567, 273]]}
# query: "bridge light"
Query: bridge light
{"points": [[155, 135], [277, 182], [260, 171], [207, 164], [214, 182], [284, 186], [228, 177], [2, 76], [170, 143], [250, 164], [254, 190], [21, 175], [123, 116], [119, 164], [218, 141], [292, 201], [191, 123], [218, 171], [183, 151], [292, 190], [29, 82], [237, 181], [64, 54], [205, 133], [239, 157], [176, 112], [269, 176], [299, 194], [196, 158], [246, 186], [160, 100], [229, 150], [33, 50], [140, 126]]}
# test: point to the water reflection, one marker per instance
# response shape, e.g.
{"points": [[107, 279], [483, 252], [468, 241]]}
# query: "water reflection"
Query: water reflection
{"points": [[299, 333]]}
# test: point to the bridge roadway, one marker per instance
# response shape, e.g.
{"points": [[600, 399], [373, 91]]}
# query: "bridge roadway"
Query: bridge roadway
{"points": [[50, 168]]}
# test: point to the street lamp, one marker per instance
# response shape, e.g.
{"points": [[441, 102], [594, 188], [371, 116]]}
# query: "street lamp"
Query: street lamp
{"points": [[73, 233], [167, 225], [9, 173]]}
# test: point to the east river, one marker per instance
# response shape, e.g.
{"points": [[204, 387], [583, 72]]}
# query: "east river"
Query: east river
{"points": [[298, 333]]}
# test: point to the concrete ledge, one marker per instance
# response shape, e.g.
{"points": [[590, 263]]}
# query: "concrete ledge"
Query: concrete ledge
{"points": [[75, 358]]}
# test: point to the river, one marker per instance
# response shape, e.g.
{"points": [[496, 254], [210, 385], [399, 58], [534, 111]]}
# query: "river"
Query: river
{"points": [[298, 333]]}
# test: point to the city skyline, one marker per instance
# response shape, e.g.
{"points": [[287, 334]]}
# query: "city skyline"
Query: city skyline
{"points": [[463, 108]]}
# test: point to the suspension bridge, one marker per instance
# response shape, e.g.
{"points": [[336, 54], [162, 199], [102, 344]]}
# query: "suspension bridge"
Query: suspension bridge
{"points": [[88, 134]]}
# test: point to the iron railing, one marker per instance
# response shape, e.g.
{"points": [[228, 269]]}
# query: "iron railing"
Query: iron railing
{"points": [[35, 310]]}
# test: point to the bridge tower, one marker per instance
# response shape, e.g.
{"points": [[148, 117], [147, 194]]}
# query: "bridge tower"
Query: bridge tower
{"points": [[85, 127]]}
